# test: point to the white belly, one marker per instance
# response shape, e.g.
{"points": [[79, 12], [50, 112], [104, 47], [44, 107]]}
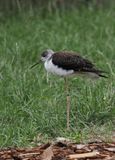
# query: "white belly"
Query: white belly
{"points": [[50, 67]]}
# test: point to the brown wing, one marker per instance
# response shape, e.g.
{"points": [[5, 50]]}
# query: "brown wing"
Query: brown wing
{"points": [[71, 61]]}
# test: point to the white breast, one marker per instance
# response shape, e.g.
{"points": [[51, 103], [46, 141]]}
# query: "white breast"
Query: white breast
{"points": [[50, 67]]}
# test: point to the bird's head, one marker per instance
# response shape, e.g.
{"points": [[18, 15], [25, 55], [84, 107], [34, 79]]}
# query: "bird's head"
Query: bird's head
{"points": [[46, 55]]}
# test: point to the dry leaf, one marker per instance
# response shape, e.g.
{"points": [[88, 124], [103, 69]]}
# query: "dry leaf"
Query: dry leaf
{"points": [[47, 154]]}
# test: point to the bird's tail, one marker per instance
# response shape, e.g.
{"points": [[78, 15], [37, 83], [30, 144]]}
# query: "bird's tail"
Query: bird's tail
{"points": [[101, 73], [98, 72]]}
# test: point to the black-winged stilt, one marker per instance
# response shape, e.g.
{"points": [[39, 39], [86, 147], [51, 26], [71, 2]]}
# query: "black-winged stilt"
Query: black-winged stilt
{"points": [[66, 63]]}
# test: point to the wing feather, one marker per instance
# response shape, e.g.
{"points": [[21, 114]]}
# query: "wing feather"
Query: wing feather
{"points": [[71, 61]]}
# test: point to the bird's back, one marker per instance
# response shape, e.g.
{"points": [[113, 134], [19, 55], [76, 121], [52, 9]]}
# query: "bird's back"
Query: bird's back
{"points": [[73, 61]]}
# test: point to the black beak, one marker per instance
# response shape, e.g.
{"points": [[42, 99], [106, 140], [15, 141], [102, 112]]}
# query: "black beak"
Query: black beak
{"points": [[34, 65]]}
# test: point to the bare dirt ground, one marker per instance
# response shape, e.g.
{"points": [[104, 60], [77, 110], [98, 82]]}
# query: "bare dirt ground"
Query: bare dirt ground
{"points": [[62, 151]]}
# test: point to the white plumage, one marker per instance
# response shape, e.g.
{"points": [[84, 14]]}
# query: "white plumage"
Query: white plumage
{"points": [[50, 67]]}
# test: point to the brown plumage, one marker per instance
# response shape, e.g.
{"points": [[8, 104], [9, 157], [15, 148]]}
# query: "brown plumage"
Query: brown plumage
{"points": [[73, 61]]}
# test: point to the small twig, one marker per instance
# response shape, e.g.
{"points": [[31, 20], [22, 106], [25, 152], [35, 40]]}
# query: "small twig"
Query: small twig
{"points": [[28, 154], [83, 155]]}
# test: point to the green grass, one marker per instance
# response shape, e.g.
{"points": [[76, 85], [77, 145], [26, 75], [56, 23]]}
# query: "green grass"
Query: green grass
{"points": [[29, 106]]}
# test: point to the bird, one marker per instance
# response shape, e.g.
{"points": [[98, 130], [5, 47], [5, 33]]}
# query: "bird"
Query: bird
{"points": [[69, 63]]}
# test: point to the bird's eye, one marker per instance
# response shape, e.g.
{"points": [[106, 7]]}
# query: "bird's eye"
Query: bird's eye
{"points": [[44, 54]]}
